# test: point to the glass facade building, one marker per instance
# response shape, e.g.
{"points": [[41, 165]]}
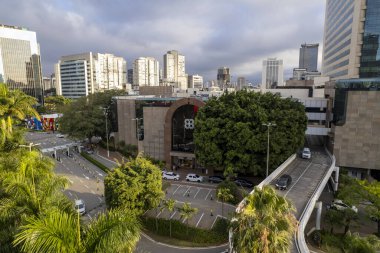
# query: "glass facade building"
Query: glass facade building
{"points": [[309, 57], [20, 63]]}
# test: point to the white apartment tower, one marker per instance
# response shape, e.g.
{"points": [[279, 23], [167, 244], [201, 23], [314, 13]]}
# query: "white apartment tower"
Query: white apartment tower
{"points": [[146, 72], [195, 81], [174, 69], [83, 74], [273, 73]]}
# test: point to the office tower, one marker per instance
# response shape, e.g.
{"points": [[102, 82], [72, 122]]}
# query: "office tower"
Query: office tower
{"points": [[273, 73], [195, 81], [146, 72], [83, 74], [130, 76], [309, 57], [241, 83], [351, 39], [20, 62], [223, 77], [174, 69]]}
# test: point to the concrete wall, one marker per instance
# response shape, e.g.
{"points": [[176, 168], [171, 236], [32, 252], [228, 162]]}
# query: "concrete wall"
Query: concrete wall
{"points": [[357, 142], [127, 127]]}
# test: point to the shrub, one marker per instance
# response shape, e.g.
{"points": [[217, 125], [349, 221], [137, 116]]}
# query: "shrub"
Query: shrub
{"points": [[95, 162], [234, 190]]}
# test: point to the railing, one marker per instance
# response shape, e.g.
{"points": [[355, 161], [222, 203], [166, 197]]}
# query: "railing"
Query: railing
{"points": [[305, 216]]}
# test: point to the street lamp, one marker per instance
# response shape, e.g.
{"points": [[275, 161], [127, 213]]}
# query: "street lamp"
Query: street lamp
{"points": [[105, 109], [268, 125]]}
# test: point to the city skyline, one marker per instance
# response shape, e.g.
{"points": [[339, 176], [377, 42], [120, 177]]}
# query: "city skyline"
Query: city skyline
{"points": [[215, 33]]}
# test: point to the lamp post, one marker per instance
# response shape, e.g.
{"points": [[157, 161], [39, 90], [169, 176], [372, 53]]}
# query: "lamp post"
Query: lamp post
{"points": [[105, 109], [268, 125]]}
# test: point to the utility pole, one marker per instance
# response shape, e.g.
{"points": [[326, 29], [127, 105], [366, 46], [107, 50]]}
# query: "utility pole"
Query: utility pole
{"points": [[268, 125]]}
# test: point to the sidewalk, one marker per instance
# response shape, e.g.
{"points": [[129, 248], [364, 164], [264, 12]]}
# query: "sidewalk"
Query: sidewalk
{"points": [[114, 155]]}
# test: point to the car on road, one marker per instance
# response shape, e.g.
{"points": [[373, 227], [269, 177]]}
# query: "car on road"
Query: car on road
{"points": [[60, 135], [283, 182], [243, 182], [80, 207], [216, 179], [338, 204], [306, 153], [89, 151], [170, 175], [194, 178]]}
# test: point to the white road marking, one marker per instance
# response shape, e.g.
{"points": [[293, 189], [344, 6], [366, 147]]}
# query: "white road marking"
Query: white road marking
{"points": [[89, 216], [216, 219], [186, 191], [100, 174], [86, 186], [158, 214], [71, 181], [81, 180], [207, 194], [87, 177], [70, 194], [184, 220], [197, 192], [93, 192], [176, 189], [173, 215], [200, 219], [298, 179], [100, 199]]}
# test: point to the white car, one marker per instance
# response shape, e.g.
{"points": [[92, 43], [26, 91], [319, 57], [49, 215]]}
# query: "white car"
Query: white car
{"points": [[170, 175], [194, 178], [338, 204], [80, 207], [306, 153]]}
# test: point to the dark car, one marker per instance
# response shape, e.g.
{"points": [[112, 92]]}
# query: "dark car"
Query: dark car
{"points": [[243, 182], [283, 182], [216, 179]]}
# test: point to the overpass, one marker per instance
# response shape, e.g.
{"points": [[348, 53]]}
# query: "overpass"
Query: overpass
{"points": [[309, 178]]}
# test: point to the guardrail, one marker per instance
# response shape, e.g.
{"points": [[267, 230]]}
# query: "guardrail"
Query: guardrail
{"points": [[305, 216]]}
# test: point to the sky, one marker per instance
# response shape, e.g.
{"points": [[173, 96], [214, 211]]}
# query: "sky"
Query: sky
{"points": [[238, 34]]}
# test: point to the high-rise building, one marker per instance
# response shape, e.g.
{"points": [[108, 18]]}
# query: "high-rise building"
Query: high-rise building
{"points": [[273, 73], [174, 69], [223, 77], [130, 76], [146, 72], [309, 57], [241, 83], [195, 81], [351, 39], [20, 62], [83, 74]]}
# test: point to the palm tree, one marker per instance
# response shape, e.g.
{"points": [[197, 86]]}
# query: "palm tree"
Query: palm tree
{"points": [[170, 204], [187, 212], [266, 224], [224, 194], [113, 231]]}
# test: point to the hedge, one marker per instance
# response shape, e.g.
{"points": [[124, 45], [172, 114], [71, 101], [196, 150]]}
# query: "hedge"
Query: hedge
{"points": [[217, 235], [95, 162]]}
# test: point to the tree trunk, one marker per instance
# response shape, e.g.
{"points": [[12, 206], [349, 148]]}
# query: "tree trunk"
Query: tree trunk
{"points": [[346, 228], [170, 228], [222, 208], [332, 230], [378, 226]]}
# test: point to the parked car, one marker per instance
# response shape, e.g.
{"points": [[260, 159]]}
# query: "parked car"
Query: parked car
{"points": [[338, 204], [216, 179], [194, 178], [170, 175], [243, 182], [306, 153], [80, 207], [60, 135], [283, 182]]}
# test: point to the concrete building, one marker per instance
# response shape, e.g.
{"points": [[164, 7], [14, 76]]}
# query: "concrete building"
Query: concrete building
{"points": [[20, 62], [146, 72], [273, 73], [309, 57], [174, 70], [241, 83], [87, 73], [195, 81], [223, 77], [130, 76]]}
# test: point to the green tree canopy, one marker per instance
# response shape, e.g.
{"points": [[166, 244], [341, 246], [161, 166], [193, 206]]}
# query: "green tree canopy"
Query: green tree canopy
{"points": [[229, 131], [56, 103], [84, 117], [135, 185]]}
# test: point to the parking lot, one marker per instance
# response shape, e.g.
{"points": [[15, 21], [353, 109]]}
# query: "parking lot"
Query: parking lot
{"points": [[199, 196]]}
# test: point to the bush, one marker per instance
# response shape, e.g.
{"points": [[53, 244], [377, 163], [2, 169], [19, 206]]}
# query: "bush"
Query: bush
{"points": [[127, 150], [234, 190], [95, 162], [180, 231]]}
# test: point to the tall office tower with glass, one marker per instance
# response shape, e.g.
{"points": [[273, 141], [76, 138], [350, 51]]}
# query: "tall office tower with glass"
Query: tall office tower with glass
{"points": [[223, 77], [309, 57], [20, 62], [273, 73], [351, 39]]}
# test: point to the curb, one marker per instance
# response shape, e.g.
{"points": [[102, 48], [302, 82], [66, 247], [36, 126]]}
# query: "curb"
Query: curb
{"points": [[178, 247]]}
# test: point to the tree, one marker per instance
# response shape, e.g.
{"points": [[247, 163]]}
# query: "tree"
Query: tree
{"points": [[229, 131], [334, 218], [224, 194], [266, 224], [135, 185], [187, 212], [170, 204], [84, 118], [113, 231], [56, 103]]}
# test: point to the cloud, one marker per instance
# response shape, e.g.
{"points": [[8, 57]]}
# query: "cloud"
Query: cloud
{"points": [[211, 33]]}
